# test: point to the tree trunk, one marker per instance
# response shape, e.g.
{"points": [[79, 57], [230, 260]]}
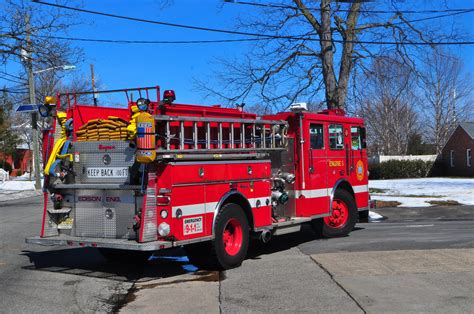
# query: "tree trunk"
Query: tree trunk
{"points": [[327, 55]]}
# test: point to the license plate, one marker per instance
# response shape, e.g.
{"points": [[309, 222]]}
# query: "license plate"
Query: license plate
{"points": [[109, 172], [192, 225]]}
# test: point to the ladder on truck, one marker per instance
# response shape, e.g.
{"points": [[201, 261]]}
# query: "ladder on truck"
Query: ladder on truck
{"points": [[208, 138]]}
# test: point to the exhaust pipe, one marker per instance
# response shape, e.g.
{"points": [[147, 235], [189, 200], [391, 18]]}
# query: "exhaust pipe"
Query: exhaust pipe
{"points": [[266, 236]]}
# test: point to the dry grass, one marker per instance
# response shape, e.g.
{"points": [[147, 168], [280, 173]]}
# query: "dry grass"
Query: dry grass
{"points": [[381, 204], [444, 203]]}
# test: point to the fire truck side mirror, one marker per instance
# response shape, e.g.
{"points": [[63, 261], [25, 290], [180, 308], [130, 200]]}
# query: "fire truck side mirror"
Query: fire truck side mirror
{"points": [[363, 135]]}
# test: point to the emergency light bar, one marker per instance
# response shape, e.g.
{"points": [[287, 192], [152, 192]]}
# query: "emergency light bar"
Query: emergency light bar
{"points": [[299, 106], [169, 96]]}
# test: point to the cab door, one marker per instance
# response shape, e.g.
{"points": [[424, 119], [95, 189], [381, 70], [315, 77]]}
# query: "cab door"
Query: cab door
{"points": [[315, 199], [358, 165], [337, 159]]}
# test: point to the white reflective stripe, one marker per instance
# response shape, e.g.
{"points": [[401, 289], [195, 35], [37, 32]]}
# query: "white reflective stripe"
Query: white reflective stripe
{"points": [[310, 193], [203, 208], [263, 200], [194, 209], [324, 192], [361, 188]]}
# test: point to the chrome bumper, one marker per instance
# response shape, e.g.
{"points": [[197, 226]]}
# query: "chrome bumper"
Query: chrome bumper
{"points": [[100, 242]]}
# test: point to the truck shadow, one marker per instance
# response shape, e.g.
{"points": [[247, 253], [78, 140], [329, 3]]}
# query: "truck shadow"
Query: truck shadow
{"points": [[164, 264], [89, 262], [285, 242]]}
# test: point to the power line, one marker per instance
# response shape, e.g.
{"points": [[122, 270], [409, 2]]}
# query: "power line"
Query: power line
{"points": [[120, 41], [283, 6], [224, 30], [126, 41], [11, 75], [216, 30], [10, 80], [452, 12], [262, 36], [13, 91]]}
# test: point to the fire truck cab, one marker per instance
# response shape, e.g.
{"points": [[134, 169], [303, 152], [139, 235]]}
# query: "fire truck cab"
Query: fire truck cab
{"points": [[155, 174]]}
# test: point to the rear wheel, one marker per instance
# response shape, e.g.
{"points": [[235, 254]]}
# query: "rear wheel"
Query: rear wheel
{"points": [[231, 237], [344, 215], [199, 254], [364, 216]]}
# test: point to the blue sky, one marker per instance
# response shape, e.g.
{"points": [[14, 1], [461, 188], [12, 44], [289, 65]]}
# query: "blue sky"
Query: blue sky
{"points": [[175, 66]]}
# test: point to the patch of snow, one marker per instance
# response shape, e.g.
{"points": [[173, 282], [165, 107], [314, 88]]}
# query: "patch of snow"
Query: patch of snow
{"points": [[375, 217], [6, 195], [406, 191], [25, 177], [17, 186], [13, 190]]}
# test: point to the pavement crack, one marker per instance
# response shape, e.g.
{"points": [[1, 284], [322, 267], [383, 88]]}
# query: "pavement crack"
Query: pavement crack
{"points": [[120, 300], [220, 291], [338, 284]]}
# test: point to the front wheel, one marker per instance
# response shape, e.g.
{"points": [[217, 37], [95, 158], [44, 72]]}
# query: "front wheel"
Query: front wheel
{"points": [[343, 217]]}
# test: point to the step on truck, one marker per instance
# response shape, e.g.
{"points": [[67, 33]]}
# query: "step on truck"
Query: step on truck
{"points": [[146, 173]]}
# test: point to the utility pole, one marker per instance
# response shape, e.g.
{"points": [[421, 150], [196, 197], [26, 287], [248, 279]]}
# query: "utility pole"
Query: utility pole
{"points": [[94, 95], [34, 115]]}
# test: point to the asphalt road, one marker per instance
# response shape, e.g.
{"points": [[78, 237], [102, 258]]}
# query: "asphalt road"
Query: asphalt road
{"points": [[427, 248]]}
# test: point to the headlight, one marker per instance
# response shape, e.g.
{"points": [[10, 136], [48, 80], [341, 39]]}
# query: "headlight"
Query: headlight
{"points": [[142, 104], [164, 229]]}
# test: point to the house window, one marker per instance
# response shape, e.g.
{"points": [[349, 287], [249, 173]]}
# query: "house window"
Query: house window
{"points": [[468, 157], [451, 158]]}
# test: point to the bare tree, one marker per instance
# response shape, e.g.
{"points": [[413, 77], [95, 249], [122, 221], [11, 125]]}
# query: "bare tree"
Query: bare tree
{"points": [[445, 96], [21, 19], [42, 25], [313, 47], [388, 106]]}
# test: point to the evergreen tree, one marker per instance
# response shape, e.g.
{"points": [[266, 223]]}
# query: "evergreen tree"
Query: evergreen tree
{"points": [[8, 138]]}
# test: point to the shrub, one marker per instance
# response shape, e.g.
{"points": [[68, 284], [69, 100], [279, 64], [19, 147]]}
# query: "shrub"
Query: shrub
{"points": [[398, 169], [5, 165], [19, 173]]}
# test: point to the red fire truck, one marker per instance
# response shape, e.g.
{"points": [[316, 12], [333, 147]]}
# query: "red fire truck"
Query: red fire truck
{"points": [[153, 174]]}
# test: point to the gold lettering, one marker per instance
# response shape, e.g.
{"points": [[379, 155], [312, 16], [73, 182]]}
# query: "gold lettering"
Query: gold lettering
{"points": [[336, 163]]}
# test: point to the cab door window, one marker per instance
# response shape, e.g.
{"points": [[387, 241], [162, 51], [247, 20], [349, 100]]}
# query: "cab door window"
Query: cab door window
{"points": [[316, 136], [336, 138], [358, 141]]}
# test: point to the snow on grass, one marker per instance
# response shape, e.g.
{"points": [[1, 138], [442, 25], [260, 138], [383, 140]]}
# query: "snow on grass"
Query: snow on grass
{"points": [[419, 192], [17, 186], [15, 195], [375, 217], [13, 190]]}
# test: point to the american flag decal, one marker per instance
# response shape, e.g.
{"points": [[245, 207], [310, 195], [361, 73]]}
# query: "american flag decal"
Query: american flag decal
{"points": [[145, 138]]}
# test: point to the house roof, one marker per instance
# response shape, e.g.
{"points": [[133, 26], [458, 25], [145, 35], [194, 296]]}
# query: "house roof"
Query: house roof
{"points": [[468, 127]]}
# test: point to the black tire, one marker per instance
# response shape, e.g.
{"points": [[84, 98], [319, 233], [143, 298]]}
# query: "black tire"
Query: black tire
{"points": [[116, 255], [214, 255], [364, 216], [199, 255], [341, 198]]}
